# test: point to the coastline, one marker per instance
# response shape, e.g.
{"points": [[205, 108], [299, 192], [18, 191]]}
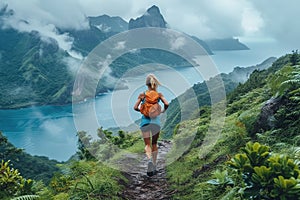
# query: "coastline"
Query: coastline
{"points": [[118, 86], [24, 105]]}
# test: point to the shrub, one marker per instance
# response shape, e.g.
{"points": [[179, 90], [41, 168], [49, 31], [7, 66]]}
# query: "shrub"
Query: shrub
{"points": [[266, 175], [12, 184]]}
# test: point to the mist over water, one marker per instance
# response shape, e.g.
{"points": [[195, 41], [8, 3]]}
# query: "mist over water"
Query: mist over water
{"points": [[50, 130]]}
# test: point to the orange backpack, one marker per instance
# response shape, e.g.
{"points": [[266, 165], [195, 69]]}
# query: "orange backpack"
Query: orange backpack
{"points": [[150, 106]]}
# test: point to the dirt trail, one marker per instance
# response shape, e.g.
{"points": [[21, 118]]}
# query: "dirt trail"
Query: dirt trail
{"points": [[141, 186]]}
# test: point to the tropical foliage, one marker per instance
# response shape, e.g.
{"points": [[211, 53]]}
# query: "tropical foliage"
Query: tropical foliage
{"points": [[266, 175], [12, 184], [84, 180], [263, 122], [256, 156]]}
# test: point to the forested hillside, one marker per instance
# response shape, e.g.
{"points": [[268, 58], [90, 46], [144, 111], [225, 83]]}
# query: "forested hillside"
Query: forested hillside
{"points": [[257, 156], [238, 76], [34, 167], [32, 71]]}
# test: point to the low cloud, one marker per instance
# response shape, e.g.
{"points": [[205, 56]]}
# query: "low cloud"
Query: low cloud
{"points": [[178, 43], [120, 45], [205, 19], [65, 15], [46, 32], [73, 64]]}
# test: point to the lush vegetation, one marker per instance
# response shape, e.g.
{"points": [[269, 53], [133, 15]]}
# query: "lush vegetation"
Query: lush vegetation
{"points": [[32, 71], [265, 175], [257, 156], [12, 183], [230, 81], [263, 122], [82, 177]]}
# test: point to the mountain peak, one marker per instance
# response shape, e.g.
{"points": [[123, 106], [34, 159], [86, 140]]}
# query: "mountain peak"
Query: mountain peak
{"points": [[152, 18], [154, 10]]}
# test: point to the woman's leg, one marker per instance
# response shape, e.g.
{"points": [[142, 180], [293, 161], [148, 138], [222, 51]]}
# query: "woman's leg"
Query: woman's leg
{"points": [[147, 141], [155, 136]]}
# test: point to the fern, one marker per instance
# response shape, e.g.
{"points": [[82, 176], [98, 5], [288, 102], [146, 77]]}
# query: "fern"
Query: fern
{"points": [[231, 194], [297, 155], [26, 197], [293, 78], [292, 81], [285, 80]]}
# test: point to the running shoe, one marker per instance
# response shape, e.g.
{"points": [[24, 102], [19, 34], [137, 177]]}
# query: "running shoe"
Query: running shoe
{"points": [[151, 168]]}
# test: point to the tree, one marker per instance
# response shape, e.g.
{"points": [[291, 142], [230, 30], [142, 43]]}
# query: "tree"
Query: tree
{"points": [[6, 149], [83, 143], [294, 57]]}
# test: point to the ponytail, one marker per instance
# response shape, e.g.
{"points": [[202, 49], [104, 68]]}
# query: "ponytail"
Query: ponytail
{"points": [[152, 82]]}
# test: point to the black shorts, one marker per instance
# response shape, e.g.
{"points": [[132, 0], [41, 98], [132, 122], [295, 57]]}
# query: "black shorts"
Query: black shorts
{"points": [[154, 128]]}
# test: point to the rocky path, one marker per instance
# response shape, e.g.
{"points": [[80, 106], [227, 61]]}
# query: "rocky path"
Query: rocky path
{"points": [[140, 186]]}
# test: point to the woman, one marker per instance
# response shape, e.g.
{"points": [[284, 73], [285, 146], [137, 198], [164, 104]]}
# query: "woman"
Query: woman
{"points": [[150, 127]]}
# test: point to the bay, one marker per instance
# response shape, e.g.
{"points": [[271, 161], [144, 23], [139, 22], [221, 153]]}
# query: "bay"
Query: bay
{"points": [[50, 130]]}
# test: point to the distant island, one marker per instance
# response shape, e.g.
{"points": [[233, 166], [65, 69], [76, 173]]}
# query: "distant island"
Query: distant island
{"points": [[227, 44]]}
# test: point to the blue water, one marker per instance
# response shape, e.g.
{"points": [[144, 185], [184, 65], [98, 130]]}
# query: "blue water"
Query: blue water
{"points": [[51, 130], [44, 130]]}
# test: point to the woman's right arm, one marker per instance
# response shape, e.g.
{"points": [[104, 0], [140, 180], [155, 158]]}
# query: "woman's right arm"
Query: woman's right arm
{"points": [[136, 105]]}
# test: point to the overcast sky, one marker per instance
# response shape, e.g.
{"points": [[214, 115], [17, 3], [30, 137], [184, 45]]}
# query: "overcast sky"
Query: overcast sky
{"points": [[249, 20]]}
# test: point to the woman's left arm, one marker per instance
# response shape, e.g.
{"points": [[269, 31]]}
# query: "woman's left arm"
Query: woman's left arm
{"points": [[165, 102]]}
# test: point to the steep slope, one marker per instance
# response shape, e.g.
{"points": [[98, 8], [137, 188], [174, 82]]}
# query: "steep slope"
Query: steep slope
{"points": [[231, 81], [35, 70], [32, 70], [250, 108]]}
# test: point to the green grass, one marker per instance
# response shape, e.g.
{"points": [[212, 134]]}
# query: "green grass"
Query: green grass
{"points": [[189, 174]]}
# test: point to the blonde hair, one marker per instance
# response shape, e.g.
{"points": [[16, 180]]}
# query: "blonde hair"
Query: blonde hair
{"points": [[152, 82]]}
